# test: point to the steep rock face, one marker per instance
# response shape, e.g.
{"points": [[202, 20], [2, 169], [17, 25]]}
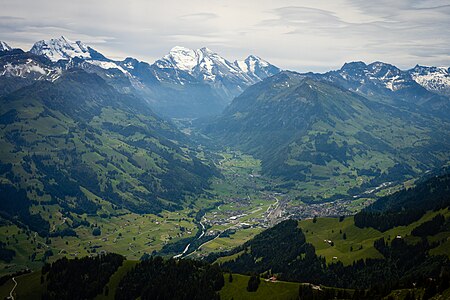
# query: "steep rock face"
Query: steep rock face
{"points": [[4, 46], [19, 69]]}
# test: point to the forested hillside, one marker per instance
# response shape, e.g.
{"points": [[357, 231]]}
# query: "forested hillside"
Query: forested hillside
{"points": [[406, 206], [327, 139], [78, 143]]}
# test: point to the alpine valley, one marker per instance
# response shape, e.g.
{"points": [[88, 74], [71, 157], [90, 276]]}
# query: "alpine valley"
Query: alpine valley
{"points": [[197, 177]]}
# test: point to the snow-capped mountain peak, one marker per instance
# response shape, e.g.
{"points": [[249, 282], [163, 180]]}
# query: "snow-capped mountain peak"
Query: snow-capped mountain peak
{"points": [[4, 46], [186, 59], [61, 48], [248, 65], [256, 67], [65, 49], [208, 66], [379, 73], [180, 58], [257, 59], [206, 50], [201, 62], [434, 79]]}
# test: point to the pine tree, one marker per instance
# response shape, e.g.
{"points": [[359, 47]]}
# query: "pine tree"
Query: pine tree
{"points": [[253, 283]]}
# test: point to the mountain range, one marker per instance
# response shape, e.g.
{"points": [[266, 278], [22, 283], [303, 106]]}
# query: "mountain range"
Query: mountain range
{"points": [[92, 161], [196, 83], [185, 83], [329, 135], [424, 88], [335, 134], [76, 143]]}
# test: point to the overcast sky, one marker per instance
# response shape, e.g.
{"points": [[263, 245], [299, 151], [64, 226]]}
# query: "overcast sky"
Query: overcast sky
{"points": [[301, 35]]}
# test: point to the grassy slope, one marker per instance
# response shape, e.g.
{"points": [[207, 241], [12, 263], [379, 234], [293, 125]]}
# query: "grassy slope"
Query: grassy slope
{"points": [[28, 287], [5, 289], [267, 290], [329, 229], [336, 139], [117, 158], [131, 235]]}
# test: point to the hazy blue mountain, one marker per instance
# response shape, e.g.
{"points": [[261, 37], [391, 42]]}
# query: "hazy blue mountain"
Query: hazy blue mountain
{"points": [[184, 84]]}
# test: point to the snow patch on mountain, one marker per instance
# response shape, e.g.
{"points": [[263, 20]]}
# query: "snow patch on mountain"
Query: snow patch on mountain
{"points": [[107, 65], [180, 58], [242, 65], [256, 68], [434, 79], [209, 66], [4, 46], [379, 73], [61, 48], [30, 69]]}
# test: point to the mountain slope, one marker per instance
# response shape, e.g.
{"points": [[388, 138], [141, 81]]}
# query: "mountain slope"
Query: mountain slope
{"points": [[333, 251], [434, 79], [65, 49], [386, 83], [224, 78], [16, 64], [172, 92], [257, 68], [4, 46], [310, 130], [399, 263], [230, 79], [167, 91], [78, 143], [406, 206]]}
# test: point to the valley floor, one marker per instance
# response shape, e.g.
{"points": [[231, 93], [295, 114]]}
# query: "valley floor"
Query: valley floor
{"points": [[238, 206]]}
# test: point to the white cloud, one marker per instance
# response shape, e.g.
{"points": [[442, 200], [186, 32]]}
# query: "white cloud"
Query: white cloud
{"points": [[302, 35]]}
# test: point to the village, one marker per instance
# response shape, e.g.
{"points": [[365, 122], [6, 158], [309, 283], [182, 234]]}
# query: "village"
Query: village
{"points": [[242, 214]]}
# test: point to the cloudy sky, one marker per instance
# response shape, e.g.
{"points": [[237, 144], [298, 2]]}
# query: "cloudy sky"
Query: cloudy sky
{"points": [[301, 35]]}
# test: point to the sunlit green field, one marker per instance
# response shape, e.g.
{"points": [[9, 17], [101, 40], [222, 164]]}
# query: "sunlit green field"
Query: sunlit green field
{"points": [[267, 290], [30, 287], [131, 235], [359, 241]]}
